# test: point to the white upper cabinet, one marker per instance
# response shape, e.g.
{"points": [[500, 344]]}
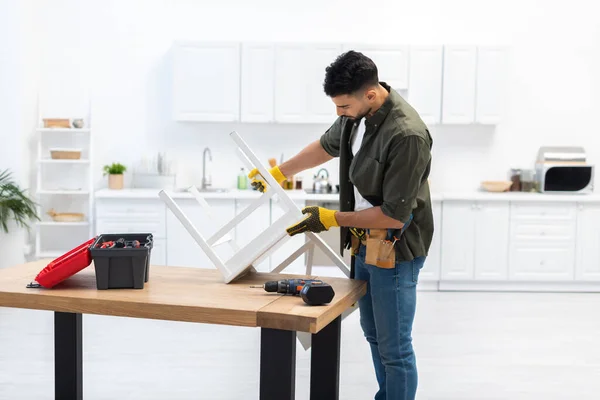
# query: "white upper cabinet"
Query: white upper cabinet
{"points": [[258, 83], [425, 82], [206, 81], [458, 101], [299, 76], [492, 67], [283, 82], [391, 61]]}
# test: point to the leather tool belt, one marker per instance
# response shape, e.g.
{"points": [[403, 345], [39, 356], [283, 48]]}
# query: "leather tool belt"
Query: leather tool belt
{"points": [[379, 243]]}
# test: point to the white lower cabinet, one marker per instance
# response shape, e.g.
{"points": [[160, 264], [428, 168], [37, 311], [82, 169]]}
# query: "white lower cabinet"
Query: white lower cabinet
{"points": [[474, 240], [587, 256], [298, 266], [431, 269], [182, 249], [252, 226], [487, 242], [542, 241]]}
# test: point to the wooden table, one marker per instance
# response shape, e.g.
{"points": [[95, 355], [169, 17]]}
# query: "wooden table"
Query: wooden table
{"points": [[194, 295]]}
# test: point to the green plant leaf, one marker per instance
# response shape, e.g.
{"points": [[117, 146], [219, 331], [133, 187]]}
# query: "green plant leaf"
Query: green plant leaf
{"points": [[14, 203]]}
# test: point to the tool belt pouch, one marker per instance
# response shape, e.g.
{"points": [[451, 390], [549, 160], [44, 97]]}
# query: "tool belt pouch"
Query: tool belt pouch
{"points": [[380, 252]]}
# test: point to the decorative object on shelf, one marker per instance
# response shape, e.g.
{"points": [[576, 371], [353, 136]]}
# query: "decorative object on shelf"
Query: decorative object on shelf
{"points": [[66, 217], [77, 123], [115, 175], [496, 186], [57, 123], [14, 203], [65, 154]]}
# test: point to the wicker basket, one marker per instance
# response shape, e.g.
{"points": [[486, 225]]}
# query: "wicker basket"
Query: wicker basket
{"points": [[57, 123], [66, 217], [65, 154]]}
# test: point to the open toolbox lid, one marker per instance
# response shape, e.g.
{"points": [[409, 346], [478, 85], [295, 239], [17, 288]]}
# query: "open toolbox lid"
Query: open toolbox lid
{"points": [[64, 266]]}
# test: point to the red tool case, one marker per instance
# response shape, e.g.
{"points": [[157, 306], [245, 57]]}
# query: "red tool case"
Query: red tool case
{"points": [[66, 265]]}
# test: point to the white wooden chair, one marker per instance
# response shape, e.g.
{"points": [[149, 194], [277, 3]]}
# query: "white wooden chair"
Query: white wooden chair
{"points": [[259, 248]]}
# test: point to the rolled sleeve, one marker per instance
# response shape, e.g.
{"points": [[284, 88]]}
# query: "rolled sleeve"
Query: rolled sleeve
{"points": [[408, 160], [330, 140]]}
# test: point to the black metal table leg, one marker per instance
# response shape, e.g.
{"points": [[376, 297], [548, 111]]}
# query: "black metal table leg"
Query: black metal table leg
{"points": [[325, 362], [68, 356], [277, 364]]}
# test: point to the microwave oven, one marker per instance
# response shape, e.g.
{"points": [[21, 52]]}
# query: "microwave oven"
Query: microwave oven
{"points": [[564, 170]]}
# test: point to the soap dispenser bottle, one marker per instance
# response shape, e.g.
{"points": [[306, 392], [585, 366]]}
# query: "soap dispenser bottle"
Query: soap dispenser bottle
{"points": [[242, 180]]}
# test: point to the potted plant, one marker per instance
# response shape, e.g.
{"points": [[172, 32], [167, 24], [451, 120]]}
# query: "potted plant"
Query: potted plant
{"points": [[115, 175], [14, 204]]}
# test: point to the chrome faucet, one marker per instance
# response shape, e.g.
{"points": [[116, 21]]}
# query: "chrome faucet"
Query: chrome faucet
{"points": [[206, 181]]}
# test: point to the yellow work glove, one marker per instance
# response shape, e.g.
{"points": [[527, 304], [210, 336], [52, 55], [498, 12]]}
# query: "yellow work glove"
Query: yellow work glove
{"points": [[317, 219], [258, 182]]}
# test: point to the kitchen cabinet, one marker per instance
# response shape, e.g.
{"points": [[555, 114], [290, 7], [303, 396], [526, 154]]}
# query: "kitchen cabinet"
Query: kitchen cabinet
{"points": [[431, 269], [474, 240], [587, 261], [298, 266], [458, 99], [391, 61], [299, 76], [206, 81], [182, 249], [474, 84], [258, 84], [542, 241], [492, 67], [252, 226], [425, 82]]}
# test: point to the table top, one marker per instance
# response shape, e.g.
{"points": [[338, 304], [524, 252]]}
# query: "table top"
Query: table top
{"points": [[181, 294]]}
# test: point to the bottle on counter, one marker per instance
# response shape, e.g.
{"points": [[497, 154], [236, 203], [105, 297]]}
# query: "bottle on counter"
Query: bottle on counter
{"points": [[242, 180], [516, 180]]}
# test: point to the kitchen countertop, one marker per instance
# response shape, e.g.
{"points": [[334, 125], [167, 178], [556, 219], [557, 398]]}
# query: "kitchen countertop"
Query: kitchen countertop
{"points": [[334, 197]]}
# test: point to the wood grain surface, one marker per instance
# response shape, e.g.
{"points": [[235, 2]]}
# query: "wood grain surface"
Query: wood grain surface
{"points": [[180, 294]]}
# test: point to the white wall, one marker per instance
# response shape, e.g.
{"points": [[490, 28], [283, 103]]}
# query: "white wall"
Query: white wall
{"points": [[17, 91], [122, 53]]}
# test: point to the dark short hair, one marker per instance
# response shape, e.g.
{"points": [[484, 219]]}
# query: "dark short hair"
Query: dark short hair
{"points": [[349, 73]]}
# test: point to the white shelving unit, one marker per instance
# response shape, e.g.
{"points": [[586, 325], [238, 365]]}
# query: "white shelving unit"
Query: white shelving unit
{"points": [[65, 186]]}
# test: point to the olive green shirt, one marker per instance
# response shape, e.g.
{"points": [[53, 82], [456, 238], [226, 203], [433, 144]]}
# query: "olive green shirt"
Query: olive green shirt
{"points": [[389, 170]]}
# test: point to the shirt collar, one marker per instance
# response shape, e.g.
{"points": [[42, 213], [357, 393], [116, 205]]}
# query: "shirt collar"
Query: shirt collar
{"points": [[377, 118]]}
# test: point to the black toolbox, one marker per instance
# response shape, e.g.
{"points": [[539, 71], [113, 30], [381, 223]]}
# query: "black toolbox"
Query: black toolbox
{"points": [[122, 260]]}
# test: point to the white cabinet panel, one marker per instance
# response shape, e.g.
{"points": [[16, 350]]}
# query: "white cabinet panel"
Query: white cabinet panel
{"points": [[320, 107], [491, 240], [458, 239], [131, 216], [542, 241], [158, 256], [206, 81], [299, 76], [391, 61], [541, 262], [587, 266], [298, 266], [182, 249], [431, 269], [475, 240], [291, 95], [492, 67], [252, 226], [425, 82], [458, 100], [258, 84]]}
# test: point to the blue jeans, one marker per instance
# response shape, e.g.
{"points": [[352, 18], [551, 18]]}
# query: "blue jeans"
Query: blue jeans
{"points": [[387, 311]]}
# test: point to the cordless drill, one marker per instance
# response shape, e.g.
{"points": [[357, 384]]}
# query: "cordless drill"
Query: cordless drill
{"points": [[313, 292]]}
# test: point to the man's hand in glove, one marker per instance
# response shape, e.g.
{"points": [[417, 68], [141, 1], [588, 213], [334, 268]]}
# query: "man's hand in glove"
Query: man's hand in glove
{"points": [[259, 183], [317, 219]]}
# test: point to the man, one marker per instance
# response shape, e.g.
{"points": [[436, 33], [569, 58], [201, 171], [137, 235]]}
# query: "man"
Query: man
{"points": [[385, 209]]}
